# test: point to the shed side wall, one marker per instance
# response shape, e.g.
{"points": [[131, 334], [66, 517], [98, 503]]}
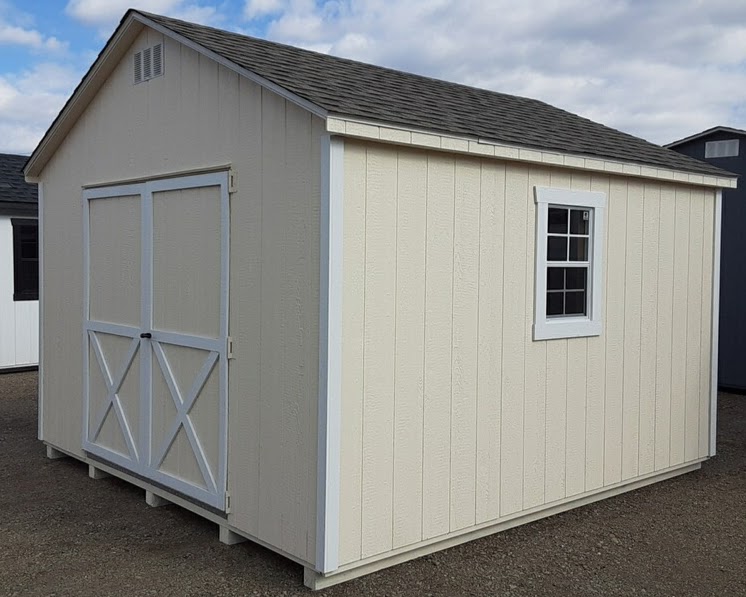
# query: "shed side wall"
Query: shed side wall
{"points": [[452, 416], [19, 320], [201, 115]]}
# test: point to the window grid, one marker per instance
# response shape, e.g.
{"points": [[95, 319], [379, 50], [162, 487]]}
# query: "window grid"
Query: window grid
{"points": [[569, 226]]}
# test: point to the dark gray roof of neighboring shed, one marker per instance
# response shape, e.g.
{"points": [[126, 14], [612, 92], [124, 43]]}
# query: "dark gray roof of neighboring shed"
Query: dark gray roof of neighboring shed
{"points": [[14, 190], [354, 89], [705, 133]]}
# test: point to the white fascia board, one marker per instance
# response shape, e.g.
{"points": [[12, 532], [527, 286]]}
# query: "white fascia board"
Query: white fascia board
{"points": [[428, 139], [330, 354], [244, 72], [40, 241]]}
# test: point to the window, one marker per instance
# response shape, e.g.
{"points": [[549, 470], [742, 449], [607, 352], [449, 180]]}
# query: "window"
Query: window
{"points": [[569, 259], [25, 259], [721, 149]]}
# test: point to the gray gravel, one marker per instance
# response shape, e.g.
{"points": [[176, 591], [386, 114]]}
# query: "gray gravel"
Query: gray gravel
{"points": [[62, 533]]}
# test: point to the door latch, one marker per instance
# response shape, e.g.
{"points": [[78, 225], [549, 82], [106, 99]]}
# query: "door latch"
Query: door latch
{"points": [[146, 335]]}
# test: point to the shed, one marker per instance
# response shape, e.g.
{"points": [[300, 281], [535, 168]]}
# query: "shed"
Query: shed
{"points": [[19, 281], [358, 315], [721, 146]]}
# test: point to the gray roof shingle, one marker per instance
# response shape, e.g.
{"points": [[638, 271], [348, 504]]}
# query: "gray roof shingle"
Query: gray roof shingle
{"points": [[13, 187], [354, 89]]}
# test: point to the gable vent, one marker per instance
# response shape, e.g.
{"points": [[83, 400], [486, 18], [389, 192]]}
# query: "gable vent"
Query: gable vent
{"points": [[148, 63], [157, 60], [138, 67]]}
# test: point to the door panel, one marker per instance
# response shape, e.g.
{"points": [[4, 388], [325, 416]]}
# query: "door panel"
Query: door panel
{"points": [[157, 331], [115, 266], [186, 261]]}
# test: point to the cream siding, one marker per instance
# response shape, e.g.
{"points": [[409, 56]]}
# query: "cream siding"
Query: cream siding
{"points": [[19, 320], [485, 422], [200, 115]]}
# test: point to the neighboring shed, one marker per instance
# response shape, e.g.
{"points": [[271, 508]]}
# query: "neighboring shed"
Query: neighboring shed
{"points": [[358, 315], [725, 148], [19, 279]]}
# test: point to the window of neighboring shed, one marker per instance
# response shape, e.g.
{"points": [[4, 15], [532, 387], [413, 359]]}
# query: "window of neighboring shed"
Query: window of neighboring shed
{"points": [[721, 149], [25, 259], [569, 245]]}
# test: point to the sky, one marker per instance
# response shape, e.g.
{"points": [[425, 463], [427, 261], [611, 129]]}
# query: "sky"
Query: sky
{"points": [[659, 69]]}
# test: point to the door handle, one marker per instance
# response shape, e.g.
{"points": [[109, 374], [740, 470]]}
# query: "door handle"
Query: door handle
{"points": [[146, 335]]}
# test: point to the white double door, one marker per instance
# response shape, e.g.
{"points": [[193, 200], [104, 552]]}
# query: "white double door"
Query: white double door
{"points": [[156, 331]]}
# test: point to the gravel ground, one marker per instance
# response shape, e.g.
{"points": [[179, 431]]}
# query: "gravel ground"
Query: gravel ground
{"points": [[62, 533]]}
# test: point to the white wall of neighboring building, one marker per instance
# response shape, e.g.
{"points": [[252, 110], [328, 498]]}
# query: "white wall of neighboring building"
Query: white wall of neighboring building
{"points": [[19, 320]]}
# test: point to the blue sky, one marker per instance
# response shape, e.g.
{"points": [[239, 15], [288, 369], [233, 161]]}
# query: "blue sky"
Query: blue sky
{"points": [[659, 69]]}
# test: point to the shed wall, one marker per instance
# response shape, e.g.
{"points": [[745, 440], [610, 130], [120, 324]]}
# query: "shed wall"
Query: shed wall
{"points": [[19, 320], [201, 115], [452, 416]]}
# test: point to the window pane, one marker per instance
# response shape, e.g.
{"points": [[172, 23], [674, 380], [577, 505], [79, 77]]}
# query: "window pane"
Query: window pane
{"points": [[575, 303], [578, 249], [555, 278], [557, 248], [554, 303], [558, 220], [579, 219], [576, 278]]}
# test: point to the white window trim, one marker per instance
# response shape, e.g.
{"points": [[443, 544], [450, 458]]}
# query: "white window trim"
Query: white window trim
{"points": [[569, 327]]}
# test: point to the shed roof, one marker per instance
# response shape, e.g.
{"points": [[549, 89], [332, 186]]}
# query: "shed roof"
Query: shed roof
{"points": [[355, 89], [338, 87], [706, 133], [15, 193]]}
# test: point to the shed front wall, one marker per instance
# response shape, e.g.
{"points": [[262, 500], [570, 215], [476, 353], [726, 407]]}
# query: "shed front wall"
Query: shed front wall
{"points": [[452, 416], [19, 320], [201, 115]]}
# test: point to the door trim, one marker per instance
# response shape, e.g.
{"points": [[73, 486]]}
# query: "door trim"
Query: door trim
{"points": [[142, 463]]}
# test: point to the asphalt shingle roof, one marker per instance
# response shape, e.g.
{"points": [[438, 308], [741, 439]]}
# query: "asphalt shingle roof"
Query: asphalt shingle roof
{"points": [[13, 186], [354, 89]]}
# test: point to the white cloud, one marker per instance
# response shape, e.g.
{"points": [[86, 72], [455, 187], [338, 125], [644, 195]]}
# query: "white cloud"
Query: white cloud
{"points": [[29, 102], [13, 35], [105, 14], [660, 70]]}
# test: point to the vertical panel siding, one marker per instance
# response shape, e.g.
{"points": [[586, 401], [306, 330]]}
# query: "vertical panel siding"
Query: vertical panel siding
{"points": [[535, 382], [200, 115], [436, 448], [664, 325], [488, 422], [648, 321], [464, 356], [596, 373], [19, 320], [379, 347], [632, 308], [489, 358], [410, 347], [708, 234], [513, 339]]}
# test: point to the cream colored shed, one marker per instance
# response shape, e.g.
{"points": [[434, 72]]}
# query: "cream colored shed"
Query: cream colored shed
{"points": [[357, 315]]}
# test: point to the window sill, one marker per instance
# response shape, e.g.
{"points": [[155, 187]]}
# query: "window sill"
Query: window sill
{"points": [[580, 327]]}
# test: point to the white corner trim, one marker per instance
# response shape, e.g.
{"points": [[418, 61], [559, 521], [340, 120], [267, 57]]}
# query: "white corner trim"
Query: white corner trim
{"points": [[266, 83], [330, 354], [427, 139], [40, 397], [569, 327], [715, 322]]}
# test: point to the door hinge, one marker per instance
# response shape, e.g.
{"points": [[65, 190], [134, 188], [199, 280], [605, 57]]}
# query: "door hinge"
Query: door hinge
{"points": [[232, 181], [227, 503], [229, 347]]}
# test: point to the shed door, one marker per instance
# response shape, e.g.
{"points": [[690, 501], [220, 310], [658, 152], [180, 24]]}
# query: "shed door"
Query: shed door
{"points": [[157, 331]]}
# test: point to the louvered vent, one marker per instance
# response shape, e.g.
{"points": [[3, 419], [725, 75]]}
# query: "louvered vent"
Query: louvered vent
{"points": [[157, 60], [138, 67], [148, 63]]}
